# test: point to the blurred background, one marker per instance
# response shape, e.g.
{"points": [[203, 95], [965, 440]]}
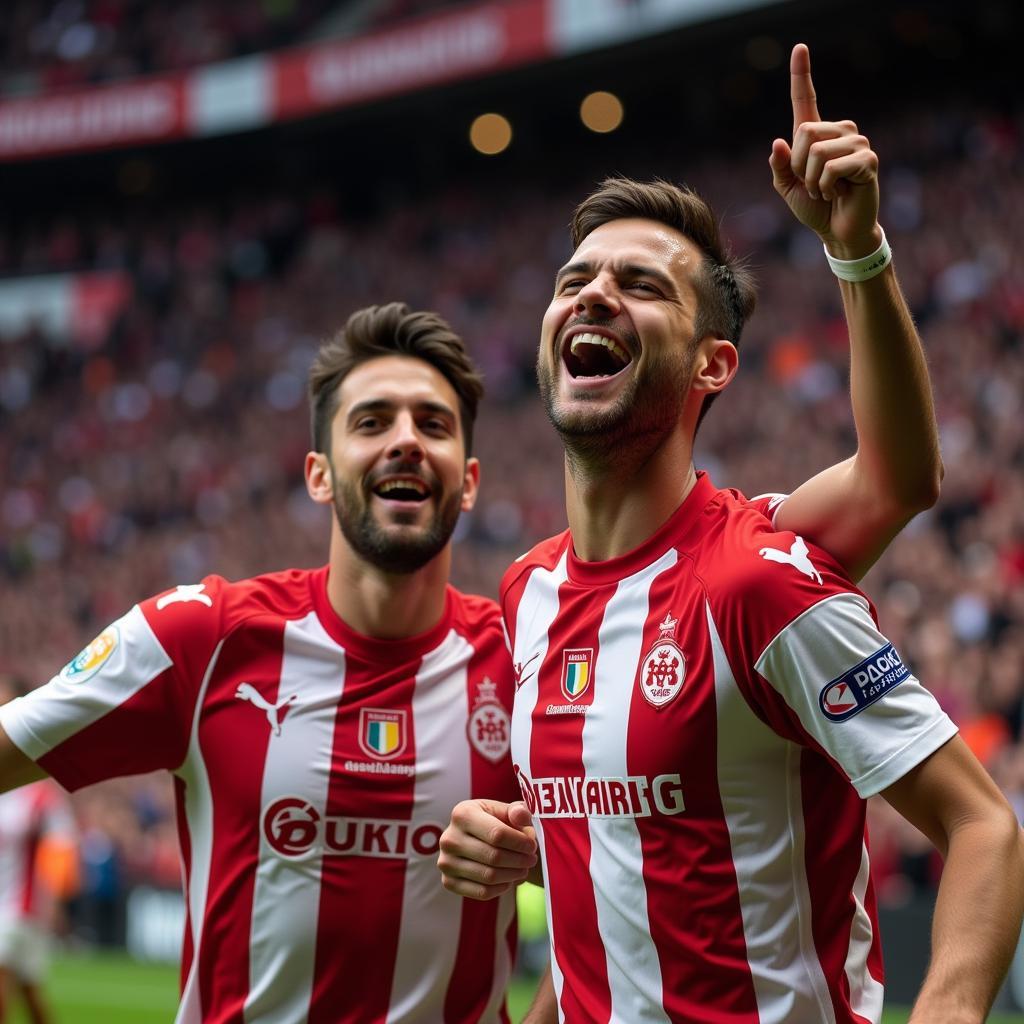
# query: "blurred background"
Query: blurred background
{"points": [[196, 193]]}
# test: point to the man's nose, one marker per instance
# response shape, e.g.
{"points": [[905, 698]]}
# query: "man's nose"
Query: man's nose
{"points": [[405, 442], [599, 297]]}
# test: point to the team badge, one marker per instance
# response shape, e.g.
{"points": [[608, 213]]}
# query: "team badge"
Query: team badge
{"points": [[664, 669], [862, 685], [577, 669], [382, 733], [489, 725], [92, 658]]}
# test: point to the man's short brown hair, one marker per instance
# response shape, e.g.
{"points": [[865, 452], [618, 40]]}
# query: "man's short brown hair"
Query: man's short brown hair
{"points": [[725, 290], [391, 330]]}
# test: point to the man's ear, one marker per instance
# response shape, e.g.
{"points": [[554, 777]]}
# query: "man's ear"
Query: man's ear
{"points": [[470, 484], [319, 480], [714, 366]]}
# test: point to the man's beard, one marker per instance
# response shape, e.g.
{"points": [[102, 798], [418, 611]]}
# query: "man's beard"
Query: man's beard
{"points": [[393, 550], [643, 415]]}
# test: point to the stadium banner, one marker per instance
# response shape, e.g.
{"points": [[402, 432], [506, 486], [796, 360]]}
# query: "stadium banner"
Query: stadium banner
{"points": [[428, 51], [139, 111], [81, 307], [423, 52]]}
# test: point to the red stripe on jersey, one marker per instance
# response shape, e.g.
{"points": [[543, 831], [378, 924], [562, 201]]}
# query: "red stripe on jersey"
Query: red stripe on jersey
{"points": [[363, 889], [567, 840], [693, 903], [185, 845], [229, 725], [475, 959], [833, 824]]}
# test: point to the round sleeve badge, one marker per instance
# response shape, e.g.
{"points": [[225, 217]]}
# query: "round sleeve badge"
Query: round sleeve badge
{"points": [[92, 658]]}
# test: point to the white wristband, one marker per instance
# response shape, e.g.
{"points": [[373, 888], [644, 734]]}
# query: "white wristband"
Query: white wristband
{"points": [[866, 267]]}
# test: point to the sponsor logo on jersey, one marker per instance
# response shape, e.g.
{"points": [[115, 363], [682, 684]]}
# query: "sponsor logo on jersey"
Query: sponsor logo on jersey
{"points": [[294, 828], [863, 684], [92, 657], [183, 595], [275, 712], [663, 670], [489, 723], [382, 732], [797, 556], [600, 796], [577, 670]]}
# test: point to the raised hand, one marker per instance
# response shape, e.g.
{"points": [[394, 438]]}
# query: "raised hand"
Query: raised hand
{"points": [[829, 174], [488, 848]]}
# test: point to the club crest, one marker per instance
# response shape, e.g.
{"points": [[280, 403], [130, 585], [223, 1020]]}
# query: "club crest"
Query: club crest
{"points": [[489, 726], [382, 733], [663, 670], [577, 670]]}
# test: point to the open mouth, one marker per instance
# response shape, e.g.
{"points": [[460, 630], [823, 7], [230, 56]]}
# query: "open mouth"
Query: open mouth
{"points": [[594, 355], [406, 489]]}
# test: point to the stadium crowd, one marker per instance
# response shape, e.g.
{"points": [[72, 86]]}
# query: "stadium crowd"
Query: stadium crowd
{"points": [[174, 448], [47, 46]]}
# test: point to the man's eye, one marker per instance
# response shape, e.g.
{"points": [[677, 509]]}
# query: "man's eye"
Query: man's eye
{"points": [[642, 286], [573, 284], [436, 426], [367, 423]]}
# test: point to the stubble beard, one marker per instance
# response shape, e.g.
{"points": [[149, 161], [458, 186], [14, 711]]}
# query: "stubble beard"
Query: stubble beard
{"points": [[630, 429], [397, 550]]}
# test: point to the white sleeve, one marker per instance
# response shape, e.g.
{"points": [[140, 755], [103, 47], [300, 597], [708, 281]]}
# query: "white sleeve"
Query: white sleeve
{"points": [[122, 660], [853, 694]]}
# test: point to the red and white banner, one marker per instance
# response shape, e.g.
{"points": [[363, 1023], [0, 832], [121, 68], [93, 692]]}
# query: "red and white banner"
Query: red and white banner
{"points": [[470, 42], [140, 111]]}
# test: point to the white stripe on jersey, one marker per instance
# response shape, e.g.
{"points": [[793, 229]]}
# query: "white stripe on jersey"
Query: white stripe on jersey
{"points": [[199, 816], [766, 834], [286, 894], [866, 993], [536, 612], [634, 970], [430, 917], [67, 706]]}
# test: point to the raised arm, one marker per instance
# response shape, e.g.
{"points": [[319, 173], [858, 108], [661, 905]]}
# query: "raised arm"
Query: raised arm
{"points": [[829, 178], [977, 919]]}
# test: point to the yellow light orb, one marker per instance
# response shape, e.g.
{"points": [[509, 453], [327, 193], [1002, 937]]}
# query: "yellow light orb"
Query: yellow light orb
{"points": [[601, 112], [490, 134]]}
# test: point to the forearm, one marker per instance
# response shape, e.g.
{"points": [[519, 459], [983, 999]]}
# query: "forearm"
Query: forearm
{"points": [[976, 925], [897, 435], [544, 1008]]}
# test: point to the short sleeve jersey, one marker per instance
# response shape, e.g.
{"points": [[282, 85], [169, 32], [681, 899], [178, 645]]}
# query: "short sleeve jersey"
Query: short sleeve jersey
{"points": [[315, 770], [695, 728]]}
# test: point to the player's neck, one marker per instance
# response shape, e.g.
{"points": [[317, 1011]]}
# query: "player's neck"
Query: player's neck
{"points": [[615, 509], [385, 605]]}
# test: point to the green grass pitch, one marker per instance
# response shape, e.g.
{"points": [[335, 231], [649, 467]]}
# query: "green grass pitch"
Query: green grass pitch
{"points": [[111, 989]]}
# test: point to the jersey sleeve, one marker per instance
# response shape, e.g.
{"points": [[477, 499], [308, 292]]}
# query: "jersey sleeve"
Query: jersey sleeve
{"points": [[768, 505], [811, 660], [125, 704]]}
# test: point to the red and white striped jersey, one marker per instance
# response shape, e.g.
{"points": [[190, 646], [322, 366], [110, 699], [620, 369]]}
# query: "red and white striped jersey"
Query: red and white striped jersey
{"points": [[695, 728], [315, 770], [28, 816]]}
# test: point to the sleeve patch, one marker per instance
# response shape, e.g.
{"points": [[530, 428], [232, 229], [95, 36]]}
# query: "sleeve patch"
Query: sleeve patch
{"points": [[859, 687]]}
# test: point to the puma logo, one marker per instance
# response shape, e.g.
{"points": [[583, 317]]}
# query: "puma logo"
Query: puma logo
{"points": [[797, 556], [275, 712], [184, 594]]}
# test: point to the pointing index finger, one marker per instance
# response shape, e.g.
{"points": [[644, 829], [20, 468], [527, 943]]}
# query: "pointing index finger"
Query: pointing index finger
{"points": [[801, 88]]}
